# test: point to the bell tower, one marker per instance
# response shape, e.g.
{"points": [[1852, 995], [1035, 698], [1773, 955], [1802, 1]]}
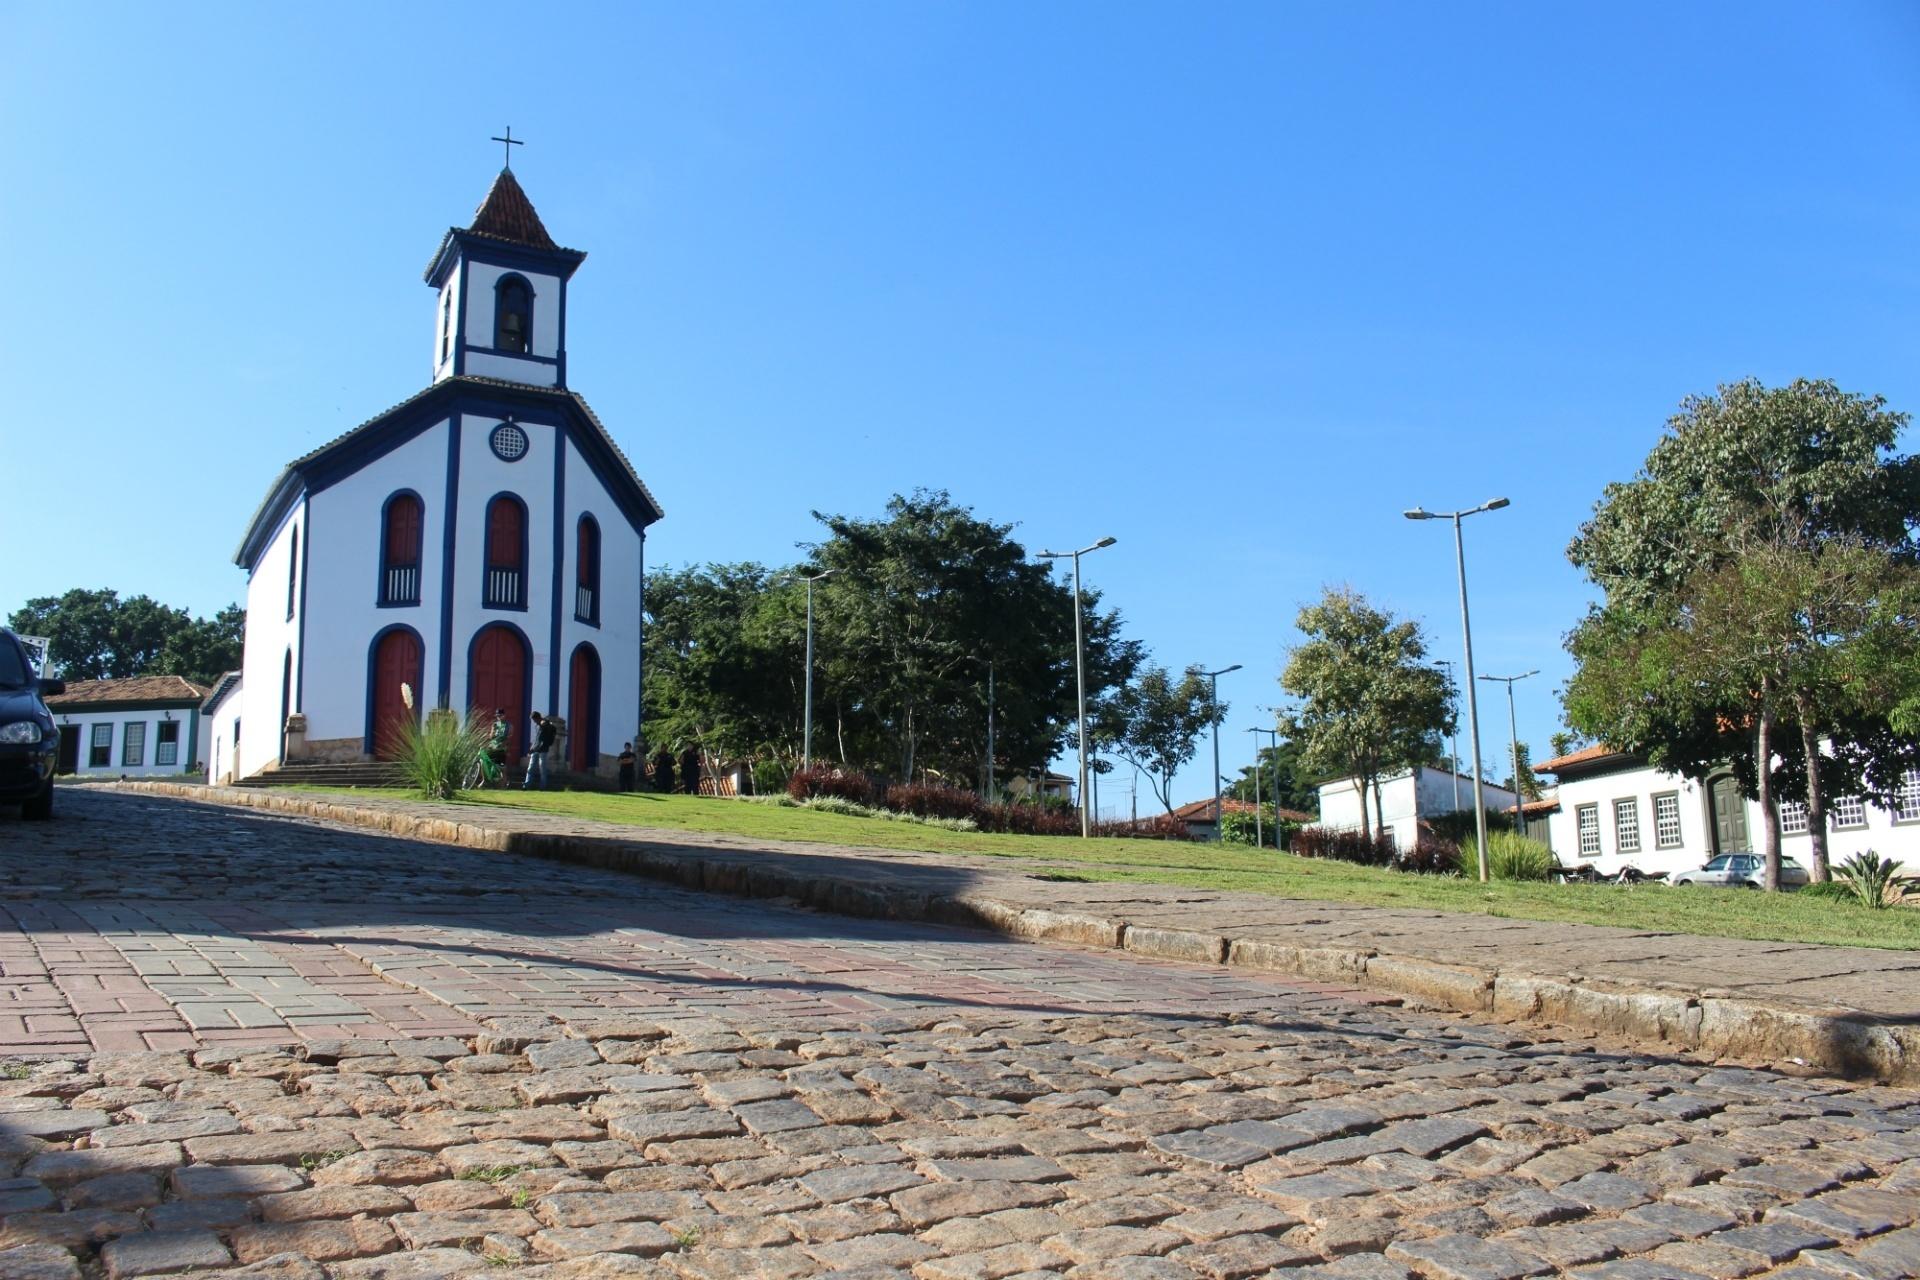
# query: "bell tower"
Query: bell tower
{"points": [[502, 285]]}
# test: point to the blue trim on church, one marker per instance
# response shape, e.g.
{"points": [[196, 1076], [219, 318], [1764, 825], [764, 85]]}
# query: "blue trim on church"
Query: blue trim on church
{"points": [[446, 561], [560, 445]]}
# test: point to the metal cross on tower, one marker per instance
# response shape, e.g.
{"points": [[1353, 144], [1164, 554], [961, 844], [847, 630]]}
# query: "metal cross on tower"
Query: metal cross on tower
{"points": [[511, 142]]}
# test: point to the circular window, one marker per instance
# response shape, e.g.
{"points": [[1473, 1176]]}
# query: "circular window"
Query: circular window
{"points": [[509, 442]]}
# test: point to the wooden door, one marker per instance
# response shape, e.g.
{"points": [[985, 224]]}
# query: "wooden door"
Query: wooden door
{"points": [[583, 710], [499, 680], [1729, 817], [396, 661]]}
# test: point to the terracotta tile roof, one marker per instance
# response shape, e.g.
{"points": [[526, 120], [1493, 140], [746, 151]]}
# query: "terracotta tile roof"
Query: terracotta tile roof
{"points": [[133, 691], [1202, 810], [1548, 805], [1584, 754], [507, 214]]}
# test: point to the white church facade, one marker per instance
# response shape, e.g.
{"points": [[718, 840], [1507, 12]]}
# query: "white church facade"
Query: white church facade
{"points": [[482, 543]]}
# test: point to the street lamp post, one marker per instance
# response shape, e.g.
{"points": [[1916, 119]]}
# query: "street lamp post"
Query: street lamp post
{"points": [[806, 734], [1080, 669], [1213, 696], [1453, 750], [1513, 730], [1466, 632], [1273, 741]]}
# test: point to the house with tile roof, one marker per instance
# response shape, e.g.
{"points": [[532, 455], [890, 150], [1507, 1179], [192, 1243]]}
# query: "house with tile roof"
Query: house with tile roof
{"points": [[1615, 810], [479, 545], [142, 727]]}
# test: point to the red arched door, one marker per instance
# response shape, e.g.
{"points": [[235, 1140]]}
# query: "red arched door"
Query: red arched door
{"points": [[396, 661], [498, 679], [583, 711]]}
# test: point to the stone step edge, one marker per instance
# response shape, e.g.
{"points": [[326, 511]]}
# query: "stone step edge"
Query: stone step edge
{"points": [[1834, 1041]]}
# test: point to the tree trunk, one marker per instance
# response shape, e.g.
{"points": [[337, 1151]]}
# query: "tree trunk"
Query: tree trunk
{"points": [[1366, 823], [1379, 815], [1818, 868], [1763, 769]]}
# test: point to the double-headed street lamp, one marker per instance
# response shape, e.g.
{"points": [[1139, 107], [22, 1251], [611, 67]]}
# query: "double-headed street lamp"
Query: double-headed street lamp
{"points": [[1080, 671], [1259, 839], [1466, 631], [806, 739], [1213, 696], [1513, 728]]}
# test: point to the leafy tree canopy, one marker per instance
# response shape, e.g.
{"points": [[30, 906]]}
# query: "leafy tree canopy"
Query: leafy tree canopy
{"points": [[95, 635], [1155, 723]]}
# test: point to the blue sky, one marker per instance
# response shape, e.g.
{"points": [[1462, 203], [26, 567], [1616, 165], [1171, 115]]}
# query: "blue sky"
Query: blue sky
{"points": [[1234, 284]]}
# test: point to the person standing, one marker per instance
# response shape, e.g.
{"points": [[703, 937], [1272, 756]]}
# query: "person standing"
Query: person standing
{"points": [[626, 763], [544, 733], [690, 771], [497, 738], [663, 771]]}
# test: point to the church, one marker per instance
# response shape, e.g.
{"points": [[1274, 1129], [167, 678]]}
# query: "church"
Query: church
{"points": [[480, 545]]}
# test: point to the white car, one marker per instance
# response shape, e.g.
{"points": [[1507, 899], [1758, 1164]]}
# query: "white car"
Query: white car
{"points": [[1742, 871]]}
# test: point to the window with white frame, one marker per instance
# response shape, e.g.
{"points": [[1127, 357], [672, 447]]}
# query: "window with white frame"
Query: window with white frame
{"points": [[1849, 812], [166, 744], [1626, 825], [1906, 801], [1793, 818], [1666, 820], [100, 750], [1588, 816], [133, 744]]}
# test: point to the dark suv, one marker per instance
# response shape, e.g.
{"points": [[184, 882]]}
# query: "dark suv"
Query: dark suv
{"points": [[28, 740]]}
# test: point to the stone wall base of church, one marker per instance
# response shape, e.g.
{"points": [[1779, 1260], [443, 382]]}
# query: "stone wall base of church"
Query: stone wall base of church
{"points": [[334, 751]]}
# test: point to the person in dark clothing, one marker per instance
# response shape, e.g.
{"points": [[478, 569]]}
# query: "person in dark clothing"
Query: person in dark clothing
{"points": [[690, 771], [544, 733], [626, 763], [663, 771]]}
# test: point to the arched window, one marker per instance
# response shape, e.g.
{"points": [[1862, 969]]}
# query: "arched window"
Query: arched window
{"points": [[293, 569], [586, 590], [513, 314], [506, 584], [400, 550]]}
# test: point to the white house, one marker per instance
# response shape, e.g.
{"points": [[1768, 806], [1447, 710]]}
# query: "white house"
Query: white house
{"points": [[481, 543], [1406, 798], [143, 727], [220, 718], [1615, 810]]}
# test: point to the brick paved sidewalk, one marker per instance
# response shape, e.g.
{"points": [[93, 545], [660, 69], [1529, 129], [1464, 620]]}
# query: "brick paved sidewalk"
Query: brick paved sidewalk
{"points": [[1854, 1010]]}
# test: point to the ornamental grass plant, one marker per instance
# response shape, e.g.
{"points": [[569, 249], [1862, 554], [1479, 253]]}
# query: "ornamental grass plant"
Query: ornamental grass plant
{"points": [[436, 757]]}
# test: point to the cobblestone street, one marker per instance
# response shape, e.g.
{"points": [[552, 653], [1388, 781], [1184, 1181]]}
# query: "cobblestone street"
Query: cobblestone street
{"points": [[254, 1046]]}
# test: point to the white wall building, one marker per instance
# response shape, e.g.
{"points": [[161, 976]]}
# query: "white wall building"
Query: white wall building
{"points": [[1616, 810], [482, 543], [1406, 798], [220, 729], [143, 727]]}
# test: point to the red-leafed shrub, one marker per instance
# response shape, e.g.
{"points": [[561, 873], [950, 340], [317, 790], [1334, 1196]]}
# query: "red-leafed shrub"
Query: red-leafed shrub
{"points": [[1028, 820], [805, 784], [1161, 827], [1431, 855], [931, 800], [1343, 846]]}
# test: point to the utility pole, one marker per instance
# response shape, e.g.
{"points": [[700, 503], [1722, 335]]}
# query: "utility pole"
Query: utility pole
{"points": [[1213, 696], [1453, 749], [1258, 765], [806, 739], [1513, 729], [1080, 669]]}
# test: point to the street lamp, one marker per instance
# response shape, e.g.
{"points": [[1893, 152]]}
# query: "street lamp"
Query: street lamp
{"points": [[806, 740], [1453, 749], [1466, 631], [1259, 841], [1213, 696], [1080, 669], [1513, 728]]}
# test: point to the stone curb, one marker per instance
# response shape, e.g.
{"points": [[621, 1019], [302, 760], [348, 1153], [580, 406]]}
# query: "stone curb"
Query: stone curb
{"points": [[1834, 1040]]}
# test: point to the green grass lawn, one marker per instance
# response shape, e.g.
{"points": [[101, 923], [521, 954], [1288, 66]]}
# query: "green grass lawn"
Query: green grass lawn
{"points": [[1727, 913]]}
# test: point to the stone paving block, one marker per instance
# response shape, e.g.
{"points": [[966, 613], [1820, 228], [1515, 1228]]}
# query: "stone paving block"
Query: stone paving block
{"points": [[162, 1252], [39, 1262], [1462, 1257], [210, 1182]]}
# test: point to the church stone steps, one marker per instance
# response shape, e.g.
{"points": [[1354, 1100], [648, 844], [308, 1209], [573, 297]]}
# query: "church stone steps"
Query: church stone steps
{"points": [[365, 774]]}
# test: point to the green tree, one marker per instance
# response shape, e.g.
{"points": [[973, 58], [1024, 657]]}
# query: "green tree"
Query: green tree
{"points": [[1367, 701], [1155, 723], [1752, 576], [1528, 784], [725, 659], [205, 648], [1283, 773], [95, 635]]}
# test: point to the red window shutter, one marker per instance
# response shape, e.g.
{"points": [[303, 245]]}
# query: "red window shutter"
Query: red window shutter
{"points": [[403, 531], [503, 534]]}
